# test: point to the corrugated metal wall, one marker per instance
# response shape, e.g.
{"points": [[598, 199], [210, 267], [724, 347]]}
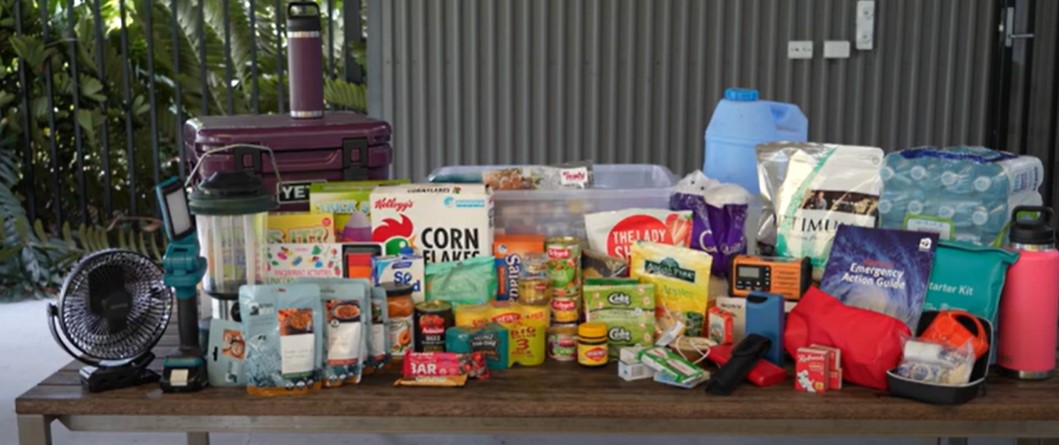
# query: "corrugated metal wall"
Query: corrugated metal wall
{"points": [[515, 81]]}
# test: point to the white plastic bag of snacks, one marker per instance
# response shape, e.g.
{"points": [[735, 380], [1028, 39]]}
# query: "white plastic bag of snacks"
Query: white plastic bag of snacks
{"points": [[682, 283], [347, 308], [284, 338], [810, 189], [719, 213], [614, 232]]}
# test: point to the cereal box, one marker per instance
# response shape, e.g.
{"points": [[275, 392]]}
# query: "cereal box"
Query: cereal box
{"points": [[301, 228], [407, 270], [349, 202], [285, 262], [810, 370], [628, 310], [443, 222], [509, 251]]}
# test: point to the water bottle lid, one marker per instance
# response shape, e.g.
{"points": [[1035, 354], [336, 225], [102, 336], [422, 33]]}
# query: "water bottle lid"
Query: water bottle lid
{"points": [[303, 17], [741, 94], [1037, 230]]}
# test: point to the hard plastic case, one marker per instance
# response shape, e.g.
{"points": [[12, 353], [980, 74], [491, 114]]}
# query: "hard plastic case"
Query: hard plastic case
{"points": [[944, 394], [340, 146]]}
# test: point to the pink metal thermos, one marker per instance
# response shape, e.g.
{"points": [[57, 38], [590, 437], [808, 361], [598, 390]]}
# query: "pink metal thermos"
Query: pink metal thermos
{"points": [[305, 60], [1029, 308]]}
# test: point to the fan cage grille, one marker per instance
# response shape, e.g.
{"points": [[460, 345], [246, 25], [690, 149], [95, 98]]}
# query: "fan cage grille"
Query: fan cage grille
{"points": [[146, 322]]}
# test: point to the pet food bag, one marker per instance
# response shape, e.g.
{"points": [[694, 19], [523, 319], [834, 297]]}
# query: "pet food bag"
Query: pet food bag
{"points": [[614, 232], [471, 281], [284, 338], [810, 189], [718, 216], [681, 278], [347, 307]]}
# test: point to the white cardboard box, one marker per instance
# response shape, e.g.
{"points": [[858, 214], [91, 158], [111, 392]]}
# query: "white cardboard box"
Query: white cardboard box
{"points": [[442, 222]]}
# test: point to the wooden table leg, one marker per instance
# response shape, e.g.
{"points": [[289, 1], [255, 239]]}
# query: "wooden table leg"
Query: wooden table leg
{"points": [[34, 430], [199, 438]]}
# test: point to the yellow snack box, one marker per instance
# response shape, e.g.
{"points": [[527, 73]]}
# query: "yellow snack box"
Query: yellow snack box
{"points": [[528, 326], [682, 284]]}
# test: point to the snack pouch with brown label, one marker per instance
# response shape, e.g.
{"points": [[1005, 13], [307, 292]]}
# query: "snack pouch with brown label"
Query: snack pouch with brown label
{"points": [[682, 282], [347, 342], [284, 338]]}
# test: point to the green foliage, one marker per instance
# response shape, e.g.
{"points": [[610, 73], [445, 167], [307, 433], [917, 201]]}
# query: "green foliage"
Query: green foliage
{"points": [[92, 101]]}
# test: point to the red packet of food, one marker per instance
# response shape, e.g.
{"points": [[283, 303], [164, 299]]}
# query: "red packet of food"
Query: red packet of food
{"points": [[445, 364]]}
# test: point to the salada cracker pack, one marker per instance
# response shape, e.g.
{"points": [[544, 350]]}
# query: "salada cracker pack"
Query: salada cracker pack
{"points": [[442, 222]]}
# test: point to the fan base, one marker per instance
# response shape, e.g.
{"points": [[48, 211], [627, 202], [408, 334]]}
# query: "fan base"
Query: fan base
{"points": [[97, 379]]}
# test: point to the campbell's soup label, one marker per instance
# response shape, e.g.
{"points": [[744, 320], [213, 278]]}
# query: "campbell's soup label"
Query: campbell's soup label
{"points": [[615, 232], [445, 222]]}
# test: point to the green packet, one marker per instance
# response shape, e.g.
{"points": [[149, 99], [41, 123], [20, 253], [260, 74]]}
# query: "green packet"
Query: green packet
{"points": [[968, 277], [675, 369], [468, 282], [628, 310]]}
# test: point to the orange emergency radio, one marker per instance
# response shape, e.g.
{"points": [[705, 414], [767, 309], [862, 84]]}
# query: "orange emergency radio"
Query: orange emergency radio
{"points": [[789, 277]]}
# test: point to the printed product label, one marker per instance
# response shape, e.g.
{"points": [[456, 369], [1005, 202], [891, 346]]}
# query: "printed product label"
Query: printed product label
{"points": [[378, 339], [296, 343], [400, 335], [944, 227], [343, 332]]}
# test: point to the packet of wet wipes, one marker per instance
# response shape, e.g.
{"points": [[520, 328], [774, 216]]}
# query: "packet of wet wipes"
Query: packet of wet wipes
{"points": [[283, 325]]}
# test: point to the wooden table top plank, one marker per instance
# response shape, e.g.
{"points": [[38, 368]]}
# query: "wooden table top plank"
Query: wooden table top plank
{"points": [[552, 390]]}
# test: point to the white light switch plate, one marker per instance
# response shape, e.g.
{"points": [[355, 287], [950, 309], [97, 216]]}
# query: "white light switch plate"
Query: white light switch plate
{"points": [[800, 49], [865, 32], [836, 49]]}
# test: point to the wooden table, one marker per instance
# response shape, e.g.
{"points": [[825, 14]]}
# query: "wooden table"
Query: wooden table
{"points": [[554, 398]]}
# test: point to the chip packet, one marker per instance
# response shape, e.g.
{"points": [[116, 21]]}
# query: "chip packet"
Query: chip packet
{"points": [[682, 282], [614, 232]]}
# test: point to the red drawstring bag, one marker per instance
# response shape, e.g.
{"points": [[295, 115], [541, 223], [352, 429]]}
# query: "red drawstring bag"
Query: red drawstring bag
{"points": [[871, 342]]}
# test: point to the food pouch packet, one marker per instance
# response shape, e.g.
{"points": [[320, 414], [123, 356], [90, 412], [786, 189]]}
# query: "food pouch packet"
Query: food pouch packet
{"points": [[595, 264], [574, 175], [284, 338], [347, 340], [682, 280], [628, 310], [226, 353], [381, 343], [809, 190], [471, 281], [718, 214], [614, 232]]}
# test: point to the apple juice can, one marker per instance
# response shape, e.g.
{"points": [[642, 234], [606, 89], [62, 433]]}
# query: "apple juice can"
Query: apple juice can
{"points": [[432, 319]]}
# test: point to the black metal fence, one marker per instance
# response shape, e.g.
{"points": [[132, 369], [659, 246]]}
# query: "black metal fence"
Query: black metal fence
{"points": [[96, 99]]}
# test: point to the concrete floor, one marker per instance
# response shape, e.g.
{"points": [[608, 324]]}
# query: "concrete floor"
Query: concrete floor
{"points": [[29, 355]]}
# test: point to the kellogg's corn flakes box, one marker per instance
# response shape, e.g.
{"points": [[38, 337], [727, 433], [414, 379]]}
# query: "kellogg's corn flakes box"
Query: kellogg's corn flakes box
{"points": [[442, 222]]}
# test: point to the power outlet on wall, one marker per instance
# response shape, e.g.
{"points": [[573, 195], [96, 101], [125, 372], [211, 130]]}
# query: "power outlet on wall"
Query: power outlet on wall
{"points": [[800, 49]]}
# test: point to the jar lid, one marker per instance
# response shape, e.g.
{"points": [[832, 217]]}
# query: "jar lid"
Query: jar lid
{"points": [[396, 290], [230, 193], [592, 329]]}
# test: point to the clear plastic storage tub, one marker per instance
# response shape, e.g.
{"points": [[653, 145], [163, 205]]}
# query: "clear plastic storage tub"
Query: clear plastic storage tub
{"points": [[562, 212]]}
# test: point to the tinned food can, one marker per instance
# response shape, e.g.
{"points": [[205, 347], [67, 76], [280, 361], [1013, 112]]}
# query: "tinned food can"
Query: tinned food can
{"points": [[564, 264], [535, 291], [562, 342], [566, 308], [432, 318]]}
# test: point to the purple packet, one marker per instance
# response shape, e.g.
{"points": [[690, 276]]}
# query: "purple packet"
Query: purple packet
{"points": [[717, 227]]}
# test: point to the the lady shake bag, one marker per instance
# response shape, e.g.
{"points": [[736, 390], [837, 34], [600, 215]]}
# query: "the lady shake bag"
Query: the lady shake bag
{"points": [[718, 214], [871, 342]]}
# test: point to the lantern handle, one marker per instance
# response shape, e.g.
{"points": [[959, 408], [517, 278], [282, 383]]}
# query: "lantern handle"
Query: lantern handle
{"points": [[208, 153]]}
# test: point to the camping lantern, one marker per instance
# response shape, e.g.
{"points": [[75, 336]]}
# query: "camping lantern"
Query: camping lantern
{"points": [[231, 213]]}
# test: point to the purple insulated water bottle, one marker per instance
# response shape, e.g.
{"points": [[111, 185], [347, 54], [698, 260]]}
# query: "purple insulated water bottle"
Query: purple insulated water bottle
{"points": [[305, 60]]}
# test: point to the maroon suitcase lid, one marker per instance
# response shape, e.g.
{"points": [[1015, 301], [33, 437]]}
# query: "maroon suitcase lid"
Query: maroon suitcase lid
{"points": [[284, 132]]}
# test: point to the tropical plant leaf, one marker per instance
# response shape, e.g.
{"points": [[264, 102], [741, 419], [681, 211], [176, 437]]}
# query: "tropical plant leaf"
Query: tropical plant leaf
{"points": [[68, 237], [92, 88]]}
